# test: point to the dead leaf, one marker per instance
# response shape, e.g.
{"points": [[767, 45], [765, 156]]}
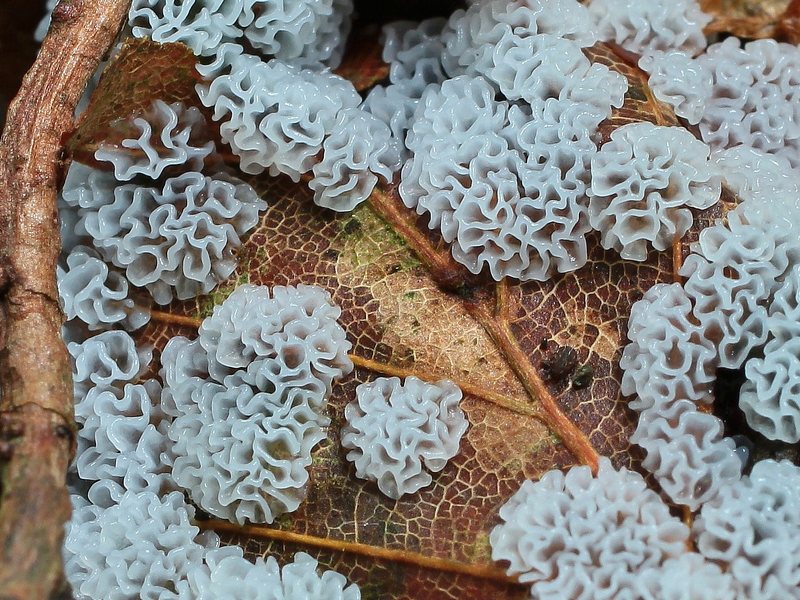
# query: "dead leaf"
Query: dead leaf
{"points": [[753, 19], [407, 308]]}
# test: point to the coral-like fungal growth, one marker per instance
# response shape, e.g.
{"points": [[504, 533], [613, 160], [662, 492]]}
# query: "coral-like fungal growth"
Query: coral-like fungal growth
{"points": [[472, 35], [289, 338], [248, 398], [644, 181], [95, 295], [122, 437], [170, 135], [359, 149], [668, 358], [396, 430], [106, 360], [679, 80], [275, 116], [243, 455], [686, 577], [540, 67], [395, 105], [414, 52], [284, 29], [686, 451], [531, 50], [770, 398], [504, 186], [755, 176], [784, 310], [176, 241], [646, 26], [577, 536], [68, 219], [140, 548], [755, 97], [753, 527], [200, 24], [303, 31], [731, 274], [85, 188], [229, 575], [328, 45]]}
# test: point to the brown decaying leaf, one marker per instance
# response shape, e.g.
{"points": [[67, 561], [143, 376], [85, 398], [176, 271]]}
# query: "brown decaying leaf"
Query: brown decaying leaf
{"points": [[140, 72], [407, 307], [754, 19], [362, 63]]}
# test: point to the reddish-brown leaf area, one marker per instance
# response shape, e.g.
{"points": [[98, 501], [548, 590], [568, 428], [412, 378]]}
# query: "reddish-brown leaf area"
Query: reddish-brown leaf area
{"points": [[640, 104], [405, 308], [142, 71], [751, 19], [362, 62]]}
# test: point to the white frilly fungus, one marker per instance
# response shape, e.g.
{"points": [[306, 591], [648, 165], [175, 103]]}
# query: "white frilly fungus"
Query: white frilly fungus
{"points": [[248, 399], [106, 360], [493, 120], [142, 547], [644, 181], [399, 432], [651, 25], [170, 135], [582, 537], [95, 294], [227, 574], [736, 308], [303, 31], [753, 529]]}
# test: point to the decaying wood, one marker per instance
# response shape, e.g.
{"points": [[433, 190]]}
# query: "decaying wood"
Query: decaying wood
{"points": [[36, 416]]}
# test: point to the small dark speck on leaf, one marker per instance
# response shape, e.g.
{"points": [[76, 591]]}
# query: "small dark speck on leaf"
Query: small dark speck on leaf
{"points": [[561, 363], [352, 226], [583, 377]]}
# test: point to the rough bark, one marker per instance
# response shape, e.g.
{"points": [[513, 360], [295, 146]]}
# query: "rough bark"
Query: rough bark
{"points": [[36, 416]]}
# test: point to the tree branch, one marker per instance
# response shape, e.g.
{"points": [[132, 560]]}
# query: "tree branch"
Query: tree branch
{"points": [[36, 414]]}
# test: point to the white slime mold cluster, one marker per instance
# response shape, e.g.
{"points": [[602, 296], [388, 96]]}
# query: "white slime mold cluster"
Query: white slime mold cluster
{"points": [[395, 431], [753, 527], [302, 31], [281, 117], [248, 398], [142, 547], [737, 308], [170, 136], [174, 235], [493, 119], [229, 575], [656, 25], [577, 536], [644, 180], [96, 295]]}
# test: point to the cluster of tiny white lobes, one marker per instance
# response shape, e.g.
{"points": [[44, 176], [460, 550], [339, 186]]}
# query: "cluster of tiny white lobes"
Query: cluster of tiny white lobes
{"points": [[489, 122]]}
